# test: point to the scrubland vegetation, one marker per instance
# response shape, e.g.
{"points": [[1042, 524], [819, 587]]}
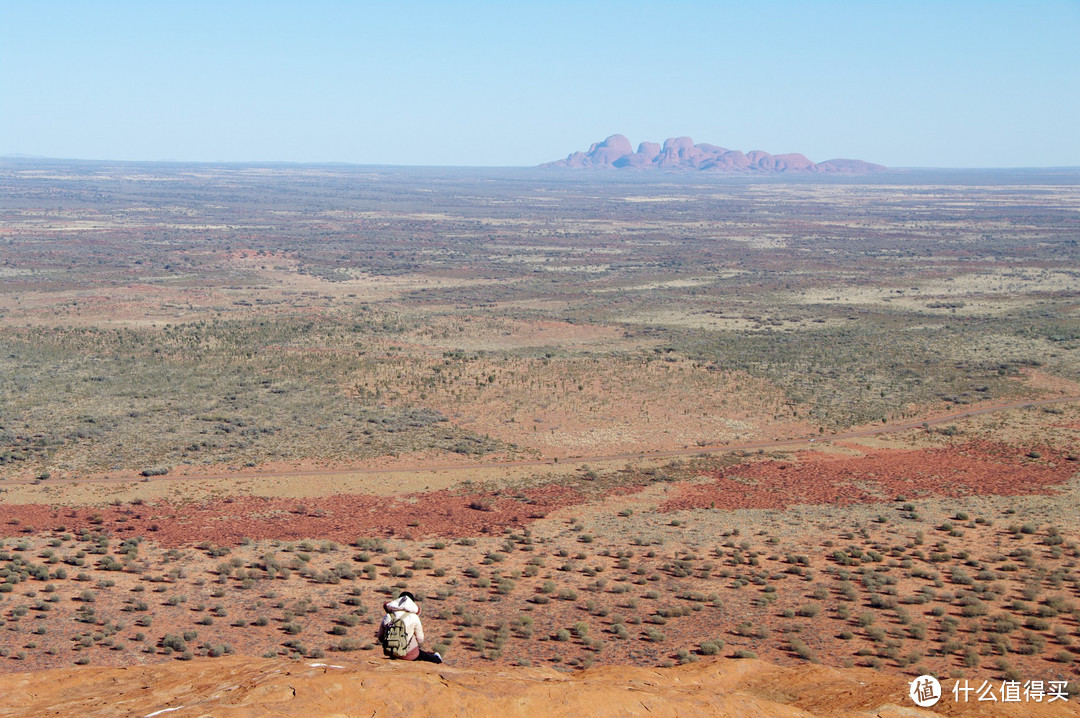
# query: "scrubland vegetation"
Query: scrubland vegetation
{"points": [[965, 595], [159, 320], [156, 316]]}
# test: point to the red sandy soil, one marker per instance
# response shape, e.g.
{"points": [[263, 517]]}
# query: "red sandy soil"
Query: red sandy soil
{"points": [[975, 468], [338, 518], [751, 589]]}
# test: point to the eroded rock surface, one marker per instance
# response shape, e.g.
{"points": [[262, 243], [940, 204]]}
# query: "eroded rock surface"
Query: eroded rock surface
{"points": [[238, 686]]}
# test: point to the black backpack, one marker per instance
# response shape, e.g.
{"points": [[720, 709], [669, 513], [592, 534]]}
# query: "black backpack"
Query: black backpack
{"points": [[395, 641]]}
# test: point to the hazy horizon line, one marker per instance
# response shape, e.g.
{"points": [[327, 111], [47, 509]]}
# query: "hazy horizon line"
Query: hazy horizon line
{"points": [[634, 171]]}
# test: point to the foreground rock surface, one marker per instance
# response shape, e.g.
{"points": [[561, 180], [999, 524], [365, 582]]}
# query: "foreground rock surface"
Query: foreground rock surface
{"points": [[238, 686]]}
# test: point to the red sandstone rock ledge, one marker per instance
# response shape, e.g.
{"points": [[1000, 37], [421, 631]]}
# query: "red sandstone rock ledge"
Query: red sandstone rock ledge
{"points": [[238, 686]]}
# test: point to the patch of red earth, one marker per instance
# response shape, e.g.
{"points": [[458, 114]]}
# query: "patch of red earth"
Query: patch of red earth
{"points": [[341, 518], [880, 474], [817, 478]]}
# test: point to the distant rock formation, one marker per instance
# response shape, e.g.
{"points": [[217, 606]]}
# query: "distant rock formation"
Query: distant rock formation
{"points": [[681, 153]]}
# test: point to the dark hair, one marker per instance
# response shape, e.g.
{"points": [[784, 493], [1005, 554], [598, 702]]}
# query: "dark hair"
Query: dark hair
{"points": [[407, 593]]}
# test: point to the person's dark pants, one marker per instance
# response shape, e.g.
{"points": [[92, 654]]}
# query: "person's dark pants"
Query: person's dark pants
{"points": [[419, 654], [428, 656]]}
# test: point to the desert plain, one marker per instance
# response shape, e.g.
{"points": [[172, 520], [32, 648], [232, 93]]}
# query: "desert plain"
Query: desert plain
{"points": [[593, 420]]}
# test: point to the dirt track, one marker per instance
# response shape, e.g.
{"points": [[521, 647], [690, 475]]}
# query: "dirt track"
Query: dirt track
{"points": [[750, 446]]}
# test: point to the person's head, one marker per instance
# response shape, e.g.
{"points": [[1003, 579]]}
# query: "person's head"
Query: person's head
{"points": [[407, 593]]}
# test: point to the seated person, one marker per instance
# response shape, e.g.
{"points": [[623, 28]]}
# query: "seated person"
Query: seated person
{"points": [[401, 633]]}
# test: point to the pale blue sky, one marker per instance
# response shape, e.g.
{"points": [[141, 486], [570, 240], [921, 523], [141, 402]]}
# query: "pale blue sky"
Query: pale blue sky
{"points": [[906, 83]]}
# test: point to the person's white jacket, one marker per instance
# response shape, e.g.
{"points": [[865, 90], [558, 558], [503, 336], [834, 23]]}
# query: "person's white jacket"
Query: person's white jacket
{"points": [[405, 608]]}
